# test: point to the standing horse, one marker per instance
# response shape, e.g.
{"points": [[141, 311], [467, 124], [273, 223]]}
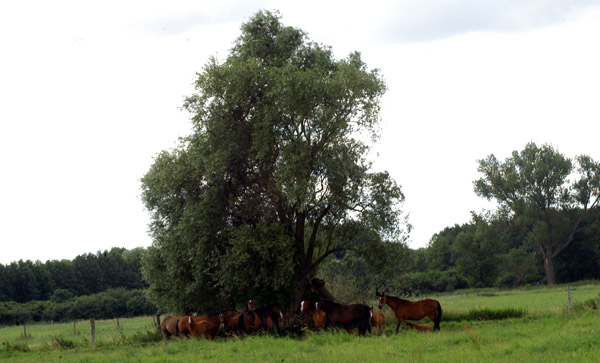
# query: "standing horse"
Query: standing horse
{"points": [[409, 310], [270, 315], [249, 320], [169, 326], [346, 315], [213, 321], [320, 320]]}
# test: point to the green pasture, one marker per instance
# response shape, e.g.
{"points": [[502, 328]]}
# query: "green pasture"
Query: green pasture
{"points": [[545, 332]]}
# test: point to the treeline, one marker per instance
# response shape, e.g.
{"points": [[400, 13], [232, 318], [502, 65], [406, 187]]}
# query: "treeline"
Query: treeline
{"points": [[491, 250], [113, 303], [87, 274]]}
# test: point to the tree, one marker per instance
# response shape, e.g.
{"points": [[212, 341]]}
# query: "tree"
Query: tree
{"points": [[535, 185], [274, 173]]}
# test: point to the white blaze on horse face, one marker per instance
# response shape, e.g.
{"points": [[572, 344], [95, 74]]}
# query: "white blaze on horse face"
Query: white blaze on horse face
{"points": [[302, 306], [189, 319], [281, 314]]}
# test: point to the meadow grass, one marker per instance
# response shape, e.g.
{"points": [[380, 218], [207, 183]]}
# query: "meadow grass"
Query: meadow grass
{"points": [[544, 332]]}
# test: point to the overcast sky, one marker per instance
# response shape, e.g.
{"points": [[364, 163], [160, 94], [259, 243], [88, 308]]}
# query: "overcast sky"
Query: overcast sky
{"points": [[90, 92]]}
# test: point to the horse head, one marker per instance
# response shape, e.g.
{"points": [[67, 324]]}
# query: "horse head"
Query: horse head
{"points": [[382, 299]]}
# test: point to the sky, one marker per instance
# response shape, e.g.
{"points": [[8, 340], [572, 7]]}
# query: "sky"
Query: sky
{"points": [[90, 92]]}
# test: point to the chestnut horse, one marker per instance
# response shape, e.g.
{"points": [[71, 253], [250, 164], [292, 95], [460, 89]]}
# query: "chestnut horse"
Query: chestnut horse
{"points": [[320, 320], [409, 310], [377, 321], [213, 321], [346, 315], [169, 326]]}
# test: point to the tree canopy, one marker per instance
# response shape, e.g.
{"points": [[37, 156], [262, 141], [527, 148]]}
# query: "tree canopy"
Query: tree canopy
{"points": [[548, 195], [273, 179]]}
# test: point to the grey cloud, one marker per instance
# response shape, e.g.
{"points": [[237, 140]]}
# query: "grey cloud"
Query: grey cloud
{"points": [[416, 21]]}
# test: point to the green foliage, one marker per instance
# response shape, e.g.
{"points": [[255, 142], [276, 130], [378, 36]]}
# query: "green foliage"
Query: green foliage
{"points": [[273, 175], [109, 304], [58, 281], [538, 186]]}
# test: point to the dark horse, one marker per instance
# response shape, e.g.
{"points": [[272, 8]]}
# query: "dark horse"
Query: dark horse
{"points": [[409, 310], [346, 315], [270, 315], [249, 320]]}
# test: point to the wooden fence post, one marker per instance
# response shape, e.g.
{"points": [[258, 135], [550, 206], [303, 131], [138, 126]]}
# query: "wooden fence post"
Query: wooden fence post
{"points": [[93, 331], [569, 298], [157, 321], [118, 326]]}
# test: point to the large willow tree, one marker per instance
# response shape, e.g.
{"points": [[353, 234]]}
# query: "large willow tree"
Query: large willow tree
{"points": [[274, 178]]}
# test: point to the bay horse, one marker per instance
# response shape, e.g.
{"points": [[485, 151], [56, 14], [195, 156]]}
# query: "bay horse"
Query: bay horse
{"points": [[169, 326], [377, 321], [409, 310], [269, 316], [346, 315], [249, 320]]}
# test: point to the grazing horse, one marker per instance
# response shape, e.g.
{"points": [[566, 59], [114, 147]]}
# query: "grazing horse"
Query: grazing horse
{"points": [[169, 326], [409, 310], [377, 321], [346, 315], [270, 315]]}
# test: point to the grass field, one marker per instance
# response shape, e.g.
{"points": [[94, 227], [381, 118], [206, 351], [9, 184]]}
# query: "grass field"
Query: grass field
{"points": [[545, 331]]}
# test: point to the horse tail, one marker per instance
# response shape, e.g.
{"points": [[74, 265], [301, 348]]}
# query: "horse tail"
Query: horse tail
{"points": [[438, 317], [177, 328]]}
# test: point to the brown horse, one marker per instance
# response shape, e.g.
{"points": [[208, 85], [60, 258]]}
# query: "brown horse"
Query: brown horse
{"points": [[408, 310], [213, 320], [249, 321], [231, 322], [202, 328], [169, 326], [377, 321], [185, 325], [270, 315], [320, 320], [346, 315]]}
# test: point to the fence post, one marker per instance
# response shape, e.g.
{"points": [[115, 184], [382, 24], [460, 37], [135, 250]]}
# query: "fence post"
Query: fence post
{"points": [[569, 298], [157, 320], [118, 326], [93, 331]]}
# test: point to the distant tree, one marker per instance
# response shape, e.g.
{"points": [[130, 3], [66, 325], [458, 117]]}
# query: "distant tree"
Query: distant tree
{"points": [[274, 179], [535, 184]]}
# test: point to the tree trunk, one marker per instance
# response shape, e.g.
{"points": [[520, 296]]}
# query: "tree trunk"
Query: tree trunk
{"points": [[294, 305], [549, 268]]}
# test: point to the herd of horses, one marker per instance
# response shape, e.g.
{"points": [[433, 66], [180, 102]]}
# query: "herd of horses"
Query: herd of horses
{"points": [[324, 313]]}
